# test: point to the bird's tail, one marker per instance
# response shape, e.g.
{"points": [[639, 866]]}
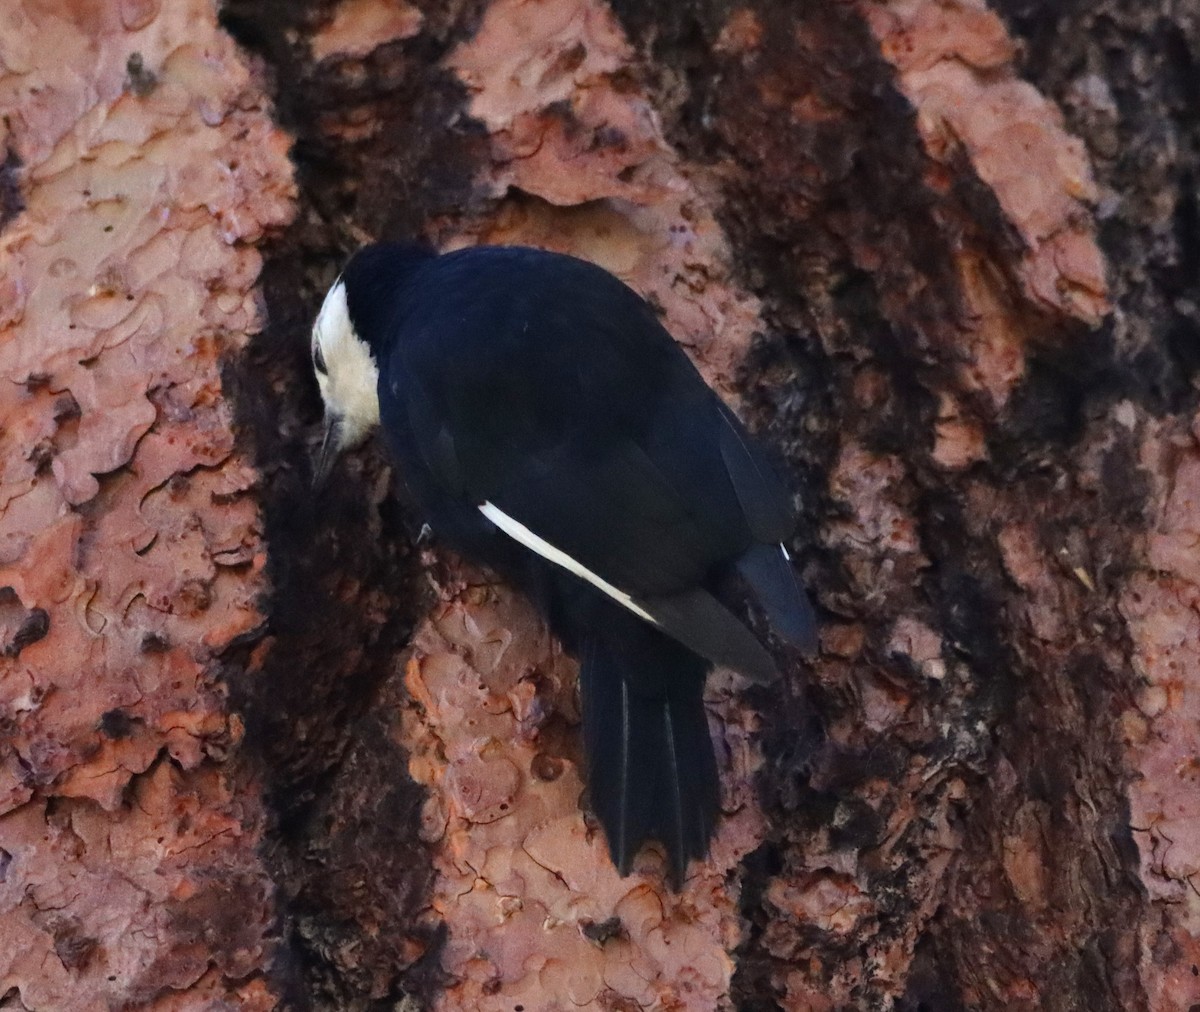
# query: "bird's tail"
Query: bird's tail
{"points": [[651, 768]]}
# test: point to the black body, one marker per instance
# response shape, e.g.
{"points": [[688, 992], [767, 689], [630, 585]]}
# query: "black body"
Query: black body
{"points": [[542, 384]]}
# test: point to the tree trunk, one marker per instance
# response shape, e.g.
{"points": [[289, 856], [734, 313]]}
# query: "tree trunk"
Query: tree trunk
{"points": [[267, 750]]}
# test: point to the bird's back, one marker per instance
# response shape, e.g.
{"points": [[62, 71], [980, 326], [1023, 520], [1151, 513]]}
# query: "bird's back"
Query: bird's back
{"points": [[537, 362]]}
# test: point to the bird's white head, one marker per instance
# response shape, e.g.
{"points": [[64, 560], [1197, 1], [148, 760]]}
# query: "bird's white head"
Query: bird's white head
{"points": [[348, 377]]}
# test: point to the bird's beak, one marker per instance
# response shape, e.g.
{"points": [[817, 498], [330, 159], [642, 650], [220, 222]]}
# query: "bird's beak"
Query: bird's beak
{"points": [[331, 446]]}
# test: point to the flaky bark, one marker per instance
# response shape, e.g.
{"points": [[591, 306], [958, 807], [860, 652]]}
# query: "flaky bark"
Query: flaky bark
{"points": [[264, 751], [142, 170]]}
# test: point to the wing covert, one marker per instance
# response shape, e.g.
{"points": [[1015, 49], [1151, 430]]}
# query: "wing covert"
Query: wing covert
{"points": [[572, 410]]}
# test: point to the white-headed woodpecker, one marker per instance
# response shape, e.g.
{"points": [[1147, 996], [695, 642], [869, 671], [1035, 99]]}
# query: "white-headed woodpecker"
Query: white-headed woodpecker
{"points": [[548, 427]]}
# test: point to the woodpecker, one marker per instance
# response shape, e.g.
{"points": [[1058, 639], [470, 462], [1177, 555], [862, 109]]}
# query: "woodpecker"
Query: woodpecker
{"points": [[548, 426]]}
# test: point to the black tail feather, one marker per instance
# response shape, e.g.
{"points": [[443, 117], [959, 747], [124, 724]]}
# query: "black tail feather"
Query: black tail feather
{"points": [[651, 768]]}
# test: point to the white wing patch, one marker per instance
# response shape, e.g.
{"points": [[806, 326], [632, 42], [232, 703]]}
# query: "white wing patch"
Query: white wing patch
{"points": [[519, 532]]}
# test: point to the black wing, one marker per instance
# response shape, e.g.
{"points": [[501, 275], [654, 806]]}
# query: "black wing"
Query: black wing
{"points": [[544, 386]]}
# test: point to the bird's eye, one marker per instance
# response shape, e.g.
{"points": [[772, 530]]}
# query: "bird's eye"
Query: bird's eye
{"points": [[319, 360]]}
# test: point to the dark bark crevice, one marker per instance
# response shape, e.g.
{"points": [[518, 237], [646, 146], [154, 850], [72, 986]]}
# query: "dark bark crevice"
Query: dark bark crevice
{"points": [[351, 873], [1124, 74], [11, 201]]}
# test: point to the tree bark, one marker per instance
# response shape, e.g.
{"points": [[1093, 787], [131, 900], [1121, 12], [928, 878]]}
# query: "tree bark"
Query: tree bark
{"points": [[267, 750]]}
